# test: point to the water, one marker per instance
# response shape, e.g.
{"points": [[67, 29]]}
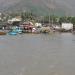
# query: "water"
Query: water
{"points": [[37, 54]]}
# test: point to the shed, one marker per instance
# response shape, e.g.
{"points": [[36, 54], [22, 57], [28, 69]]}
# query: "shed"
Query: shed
{"points": [[67, 26]]}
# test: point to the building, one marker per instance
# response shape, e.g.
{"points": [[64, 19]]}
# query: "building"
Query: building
{"points": [[67, 26], [15, 21]]}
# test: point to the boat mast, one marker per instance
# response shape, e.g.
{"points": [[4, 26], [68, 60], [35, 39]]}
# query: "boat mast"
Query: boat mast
{"points": [[53, 3], [49, 18], [50, 15]]}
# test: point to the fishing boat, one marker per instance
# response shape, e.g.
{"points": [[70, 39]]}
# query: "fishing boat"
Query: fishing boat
{"points": [[15, 31], [12, 33], [2, 33]]}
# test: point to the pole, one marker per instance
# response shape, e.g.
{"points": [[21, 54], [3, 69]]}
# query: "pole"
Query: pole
{"points": [[53, 2], [49, 19]]}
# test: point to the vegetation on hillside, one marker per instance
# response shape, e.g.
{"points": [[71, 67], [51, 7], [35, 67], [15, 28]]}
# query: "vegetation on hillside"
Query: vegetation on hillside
{"points": [[28, 16]]}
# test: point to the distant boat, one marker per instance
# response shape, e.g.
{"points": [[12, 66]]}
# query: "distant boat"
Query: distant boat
{"points": [[12, 33], [17, 30], [2, 33]]}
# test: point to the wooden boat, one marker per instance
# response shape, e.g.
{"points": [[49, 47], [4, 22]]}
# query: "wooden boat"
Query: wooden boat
{"points": [[2, 33], [45, 30]]}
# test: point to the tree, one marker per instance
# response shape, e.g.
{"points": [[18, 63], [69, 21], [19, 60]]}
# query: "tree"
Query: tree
{"points": [[27, 16], [73, 20]]}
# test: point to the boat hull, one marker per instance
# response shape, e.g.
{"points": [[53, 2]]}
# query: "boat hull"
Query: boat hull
{"points": [[2, 33]]}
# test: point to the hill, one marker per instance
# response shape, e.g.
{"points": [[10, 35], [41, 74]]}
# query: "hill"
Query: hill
{"points": [[42, 7]]}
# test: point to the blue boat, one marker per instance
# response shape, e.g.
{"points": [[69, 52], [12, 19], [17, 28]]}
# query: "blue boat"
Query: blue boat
{"points": [[12, 33], [15, 30]]}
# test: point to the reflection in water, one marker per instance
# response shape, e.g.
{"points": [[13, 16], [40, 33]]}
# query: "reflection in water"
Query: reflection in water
{"points": [[31, 54]]}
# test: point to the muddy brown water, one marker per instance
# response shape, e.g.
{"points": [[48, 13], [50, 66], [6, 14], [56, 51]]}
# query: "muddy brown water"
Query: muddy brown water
{"points": [[37, 54]]}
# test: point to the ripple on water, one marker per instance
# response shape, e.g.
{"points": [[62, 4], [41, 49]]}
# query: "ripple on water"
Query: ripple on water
{"points": [[37, 55]]}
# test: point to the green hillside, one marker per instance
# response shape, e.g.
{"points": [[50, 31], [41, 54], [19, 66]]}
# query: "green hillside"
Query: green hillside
{"points": [[39, 7]]}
